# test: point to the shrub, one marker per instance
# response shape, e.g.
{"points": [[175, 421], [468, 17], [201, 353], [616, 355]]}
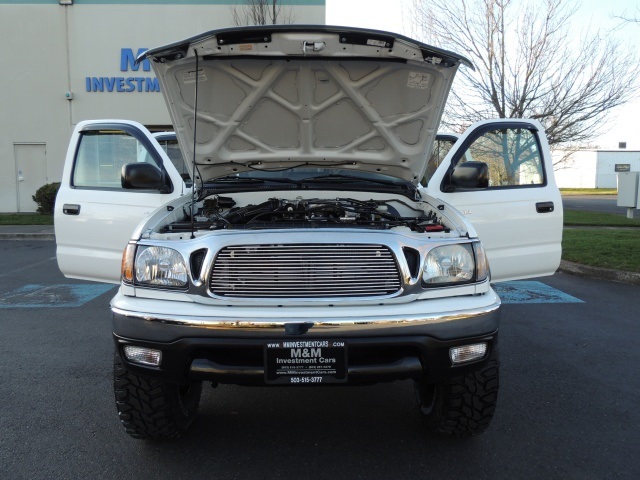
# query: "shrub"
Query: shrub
{"points": [[45, 197]]}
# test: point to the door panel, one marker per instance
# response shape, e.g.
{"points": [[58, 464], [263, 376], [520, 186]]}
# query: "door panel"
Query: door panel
{"points": [[94, 215], [518, 217]]}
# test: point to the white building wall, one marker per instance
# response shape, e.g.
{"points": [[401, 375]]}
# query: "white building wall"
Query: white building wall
{"points": [[33, 109], [49, 49], [594, 168], [606, 176], [577, 171]]}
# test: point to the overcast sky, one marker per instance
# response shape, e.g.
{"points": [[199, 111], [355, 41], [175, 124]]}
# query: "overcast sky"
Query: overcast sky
{"points": [[394, 16]]}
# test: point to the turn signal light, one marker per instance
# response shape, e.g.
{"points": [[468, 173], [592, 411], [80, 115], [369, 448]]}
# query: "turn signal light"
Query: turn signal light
{"points": [[467, 353], [128, 257], [144, 356]]}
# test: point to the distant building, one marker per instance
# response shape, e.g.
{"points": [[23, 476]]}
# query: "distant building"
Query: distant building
{"points": [[595, 168], [64, 61]]}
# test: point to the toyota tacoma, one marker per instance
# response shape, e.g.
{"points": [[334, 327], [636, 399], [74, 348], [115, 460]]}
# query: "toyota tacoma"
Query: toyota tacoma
{"points": [[310, 239]]}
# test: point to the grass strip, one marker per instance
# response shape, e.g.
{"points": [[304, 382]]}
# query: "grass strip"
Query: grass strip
{"points": [[589, 191], [605, 248], [25, 219]]}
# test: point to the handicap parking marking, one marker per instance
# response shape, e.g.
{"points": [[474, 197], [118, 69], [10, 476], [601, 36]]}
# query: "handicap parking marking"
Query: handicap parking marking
{"points": [[528, 291], [47, 296]]}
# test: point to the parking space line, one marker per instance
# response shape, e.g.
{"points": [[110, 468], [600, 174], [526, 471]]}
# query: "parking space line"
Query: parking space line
{"points": [[25, 267]]}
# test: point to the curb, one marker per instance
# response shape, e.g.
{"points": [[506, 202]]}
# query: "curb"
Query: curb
{"points": [[599, 273], [27, 236]]}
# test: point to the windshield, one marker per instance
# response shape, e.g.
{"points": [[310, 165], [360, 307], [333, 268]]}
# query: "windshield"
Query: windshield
{"points": [[170, 146], [441, 148]]}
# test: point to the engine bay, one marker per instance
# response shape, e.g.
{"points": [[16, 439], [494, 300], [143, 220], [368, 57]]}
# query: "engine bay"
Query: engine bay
{"points": [[220, 212]]}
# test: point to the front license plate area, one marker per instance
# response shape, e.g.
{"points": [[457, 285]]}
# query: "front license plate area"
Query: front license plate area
{"points": [[305, 362]]}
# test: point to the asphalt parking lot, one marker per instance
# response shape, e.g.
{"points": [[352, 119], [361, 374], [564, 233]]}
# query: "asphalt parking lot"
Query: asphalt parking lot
{"points": [[568, 405], [594, 203]]}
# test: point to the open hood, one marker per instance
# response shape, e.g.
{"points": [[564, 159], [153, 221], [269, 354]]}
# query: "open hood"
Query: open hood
{"points": [[277, 97]]}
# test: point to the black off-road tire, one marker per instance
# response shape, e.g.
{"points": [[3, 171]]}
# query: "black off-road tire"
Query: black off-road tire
{"points": [[461, 406], [153, 409]]}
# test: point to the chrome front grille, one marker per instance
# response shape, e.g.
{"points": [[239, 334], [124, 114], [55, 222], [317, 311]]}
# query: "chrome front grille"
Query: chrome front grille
{"points": [[305, 271]]}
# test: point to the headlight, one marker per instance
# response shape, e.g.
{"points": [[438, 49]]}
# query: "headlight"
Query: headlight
{"points": [[455, 264], [160, 266]]}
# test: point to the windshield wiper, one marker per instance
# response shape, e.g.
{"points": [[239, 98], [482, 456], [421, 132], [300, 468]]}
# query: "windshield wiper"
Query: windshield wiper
{"points": [[334, 178], [235, 179]]}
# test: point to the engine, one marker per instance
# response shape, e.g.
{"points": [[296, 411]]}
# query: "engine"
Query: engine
{"points": [[219, 212]]}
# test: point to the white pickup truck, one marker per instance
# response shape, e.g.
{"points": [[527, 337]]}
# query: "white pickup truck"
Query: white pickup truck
{"points": [[307, 252]]}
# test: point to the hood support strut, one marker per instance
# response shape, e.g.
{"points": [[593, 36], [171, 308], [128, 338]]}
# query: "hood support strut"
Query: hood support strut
{"points": [[195, 129]]}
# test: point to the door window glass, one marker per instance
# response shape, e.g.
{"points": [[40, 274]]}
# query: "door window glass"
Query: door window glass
{"points": [[513, 157], [101, 155]]}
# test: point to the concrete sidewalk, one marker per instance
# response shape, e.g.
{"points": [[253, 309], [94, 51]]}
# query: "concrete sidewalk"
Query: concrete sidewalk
{"points": [[27, 232]]}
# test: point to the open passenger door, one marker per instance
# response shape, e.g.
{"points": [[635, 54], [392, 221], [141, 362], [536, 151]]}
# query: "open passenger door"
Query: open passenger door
{"points": [[499, 175]]}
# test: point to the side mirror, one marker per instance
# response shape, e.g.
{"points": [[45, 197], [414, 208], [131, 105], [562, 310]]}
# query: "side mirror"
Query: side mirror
{"points": [[470, 175], [142, 176]]}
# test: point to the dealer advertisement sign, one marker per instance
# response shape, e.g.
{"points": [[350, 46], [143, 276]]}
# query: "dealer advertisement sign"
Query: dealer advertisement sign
{"points": [[126, 84], [305, 362]]}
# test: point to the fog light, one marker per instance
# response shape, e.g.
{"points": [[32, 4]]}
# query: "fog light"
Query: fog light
{"points": [[144, 356], [468, 353]]}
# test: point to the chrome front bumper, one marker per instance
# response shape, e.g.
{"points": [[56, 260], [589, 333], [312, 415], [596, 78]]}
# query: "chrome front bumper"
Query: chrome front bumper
{"points": [[165, 321], [227, 344]]}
